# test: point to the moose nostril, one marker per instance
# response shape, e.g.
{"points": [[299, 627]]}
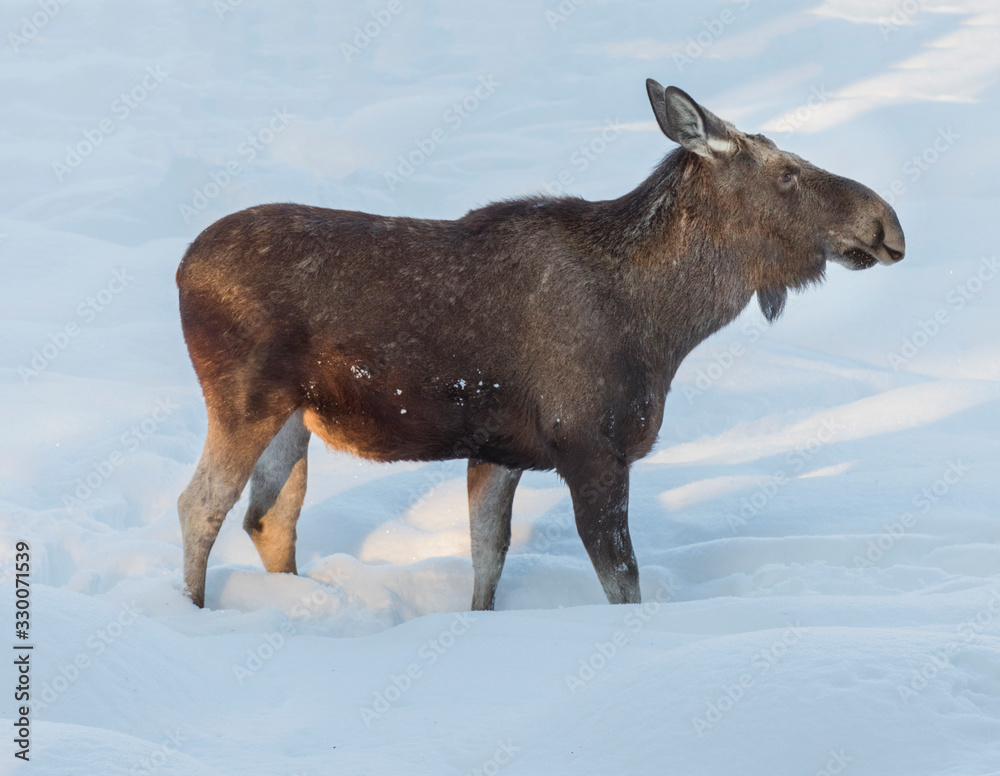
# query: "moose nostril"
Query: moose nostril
{"points": [[888, 234]]}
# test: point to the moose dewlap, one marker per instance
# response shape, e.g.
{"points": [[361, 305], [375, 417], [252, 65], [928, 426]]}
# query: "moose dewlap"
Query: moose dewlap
{"points": [[538, 333]]}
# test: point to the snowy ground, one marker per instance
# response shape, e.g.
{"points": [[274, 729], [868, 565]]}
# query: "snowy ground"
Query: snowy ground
{"points": [[817, 529]]}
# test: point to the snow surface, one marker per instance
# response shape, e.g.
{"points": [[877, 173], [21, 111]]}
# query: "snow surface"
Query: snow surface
{"points": [[816, 530]]}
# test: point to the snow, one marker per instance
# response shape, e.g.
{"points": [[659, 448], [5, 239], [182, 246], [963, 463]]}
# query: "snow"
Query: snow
{"points": [[816, 529]]}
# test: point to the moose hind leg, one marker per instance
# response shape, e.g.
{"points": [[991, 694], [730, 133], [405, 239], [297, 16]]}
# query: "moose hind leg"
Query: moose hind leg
{"points": [[600, 504], [491, 498], [225, 466], [277, 490]]}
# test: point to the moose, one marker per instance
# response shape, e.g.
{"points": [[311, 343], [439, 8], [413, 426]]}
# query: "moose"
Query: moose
{"points": [[536, 333]]}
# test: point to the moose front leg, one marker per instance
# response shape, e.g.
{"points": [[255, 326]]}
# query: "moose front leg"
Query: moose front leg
{"points": [[491, 497], [600, 504]]}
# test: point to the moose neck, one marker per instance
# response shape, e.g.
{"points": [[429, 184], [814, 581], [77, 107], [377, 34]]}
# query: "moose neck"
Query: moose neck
{"points": [[684, 275]]}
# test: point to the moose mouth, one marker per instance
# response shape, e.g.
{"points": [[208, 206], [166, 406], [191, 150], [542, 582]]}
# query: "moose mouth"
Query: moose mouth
{"points": [[854, 253], [864, 257], [858, 258]]}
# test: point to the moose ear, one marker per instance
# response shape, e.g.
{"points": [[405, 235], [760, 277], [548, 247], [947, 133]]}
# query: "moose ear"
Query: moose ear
{"points": [[684, 121], [772, 301]]}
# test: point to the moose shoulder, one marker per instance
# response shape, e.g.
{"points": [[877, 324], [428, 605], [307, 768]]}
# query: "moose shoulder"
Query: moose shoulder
{"points": [[536, 333]]}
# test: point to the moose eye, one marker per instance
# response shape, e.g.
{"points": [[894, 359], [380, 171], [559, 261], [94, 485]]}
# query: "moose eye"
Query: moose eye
{"points": [[787, 180]]}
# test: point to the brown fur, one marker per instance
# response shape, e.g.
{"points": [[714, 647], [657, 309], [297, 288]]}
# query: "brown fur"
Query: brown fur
{"points": [[534, 333]]}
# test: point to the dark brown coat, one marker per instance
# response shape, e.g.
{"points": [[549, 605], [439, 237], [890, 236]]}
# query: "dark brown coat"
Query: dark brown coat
{"points": [[535, 333]]}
